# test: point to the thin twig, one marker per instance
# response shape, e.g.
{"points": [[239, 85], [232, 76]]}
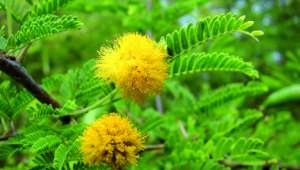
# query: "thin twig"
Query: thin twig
{"points": [[13, 128], [96, 104], [154, 147], [23, 53], [159, 105], [183, 130], [20, 75]]}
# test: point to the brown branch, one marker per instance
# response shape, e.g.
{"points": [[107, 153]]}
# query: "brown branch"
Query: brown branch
{"points": [[12, 68]]}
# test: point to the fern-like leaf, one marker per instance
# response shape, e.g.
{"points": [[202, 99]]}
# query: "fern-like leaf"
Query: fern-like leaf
{"points": [[42, 161], [192, 35], [40, 111], [42, 26], [74, 150], [45, 144], [251, 118], [229, 147], [5, 151], [46, 7], [3, 42], [21, 101], [16, 8], [229, 93], [287, 94], [91, 89], [202, 62], [60, 156], [32, 137]]}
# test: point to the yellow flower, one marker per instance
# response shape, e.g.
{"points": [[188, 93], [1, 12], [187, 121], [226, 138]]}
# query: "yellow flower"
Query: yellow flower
{"points": [[113, 140], [136, 64]]}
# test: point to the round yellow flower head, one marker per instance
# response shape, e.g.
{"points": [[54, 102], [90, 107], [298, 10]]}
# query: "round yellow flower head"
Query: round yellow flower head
{"points": [[112, 140], [136, 64]]}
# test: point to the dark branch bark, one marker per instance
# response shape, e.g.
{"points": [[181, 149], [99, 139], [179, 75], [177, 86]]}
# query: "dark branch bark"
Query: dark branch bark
{"points": [[12, 68]]}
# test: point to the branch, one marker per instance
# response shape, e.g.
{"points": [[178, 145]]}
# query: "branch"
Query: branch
{"points": [[12, 68]]}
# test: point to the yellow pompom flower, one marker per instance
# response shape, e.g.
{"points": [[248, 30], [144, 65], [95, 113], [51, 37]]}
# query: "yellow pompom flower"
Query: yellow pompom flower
{"points": [[112, 140], [136, 64]]}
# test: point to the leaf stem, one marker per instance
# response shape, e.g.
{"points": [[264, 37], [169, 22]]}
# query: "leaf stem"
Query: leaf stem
{"points": [[96, 104]]}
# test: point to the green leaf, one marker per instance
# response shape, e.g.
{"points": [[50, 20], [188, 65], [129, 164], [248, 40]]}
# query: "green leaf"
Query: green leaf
{"points": [[42, 26], [46, 7], [5, 151], [251, 117], [16, 8], [60, 156], [29, 2], [151, 124], [40, 111], [42, 161], [45, 144], [3, 43], [21, 101], [68, 107], [203, 62], [225, 147], [32, 137], [188, 37], [286, 94], [229, 93]]}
